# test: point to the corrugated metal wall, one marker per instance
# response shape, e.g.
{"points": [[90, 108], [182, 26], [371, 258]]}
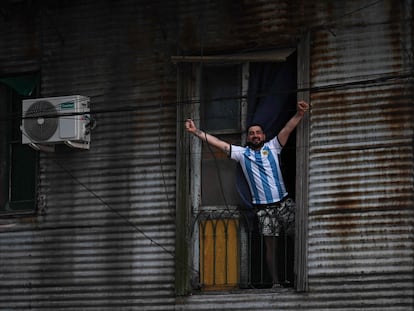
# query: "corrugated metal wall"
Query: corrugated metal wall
{"points": [[361, 236], [361, 159], [105, 240]]}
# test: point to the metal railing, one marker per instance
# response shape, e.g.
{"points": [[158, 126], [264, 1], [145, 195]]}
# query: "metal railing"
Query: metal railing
{"points": [[232, 253]]}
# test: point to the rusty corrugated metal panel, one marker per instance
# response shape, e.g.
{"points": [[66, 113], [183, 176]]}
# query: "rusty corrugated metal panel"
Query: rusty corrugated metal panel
{"points": [[361, 218], [19, 49], [82, 254], [361, 160], [106, 236], [217, 26]]}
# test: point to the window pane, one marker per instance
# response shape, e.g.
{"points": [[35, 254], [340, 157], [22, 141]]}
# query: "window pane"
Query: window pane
{"points": [[4, 148], [220, 91], [216, 186], [23, 177], [18, 162], [218, 175]]}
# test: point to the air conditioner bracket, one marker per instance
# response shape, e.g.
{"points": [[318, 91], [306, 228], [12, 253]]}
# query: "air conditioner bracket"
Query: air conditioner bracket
{"points": [[78, 145]]}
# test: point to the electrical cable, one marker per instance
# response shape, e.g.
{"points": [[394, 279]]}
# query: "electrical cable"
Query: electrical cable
{"points": [[328, 25], [159, 154], [364, 81], [218, 173], [374, 82], [124, 218]]}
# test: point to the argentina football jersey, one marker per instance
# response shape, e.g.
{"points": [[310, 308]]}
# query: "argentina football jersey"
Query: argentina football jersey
{"points": [[262, 171]]}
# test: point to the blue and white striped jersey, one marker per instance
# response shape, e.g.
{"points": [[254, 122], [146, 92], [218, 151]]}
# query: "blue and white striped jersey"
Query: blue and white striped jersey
{"points": [[262, 171]]}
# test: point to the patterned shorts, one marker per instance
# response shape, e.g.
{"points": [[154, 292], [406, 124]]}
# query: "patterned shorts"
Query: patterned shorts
{"points": [[274, 217]]}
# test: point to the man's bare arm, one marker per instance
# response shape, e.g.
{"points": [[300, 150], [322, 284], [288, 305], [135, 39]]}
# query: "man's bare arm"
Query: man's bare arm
{"points": [[284, 134], [210, 139]]}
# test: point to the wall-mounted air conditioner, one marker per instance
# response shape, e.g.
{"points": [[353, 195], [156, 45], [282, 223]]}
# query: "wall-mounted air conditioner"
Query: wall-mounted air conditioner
{"points": [[53, 120]]}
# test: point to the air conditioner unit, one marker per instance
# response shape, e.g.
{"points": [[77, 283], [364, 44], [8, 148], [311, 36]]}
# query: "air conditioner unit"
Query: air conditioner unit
{"points": [[56, 120]]}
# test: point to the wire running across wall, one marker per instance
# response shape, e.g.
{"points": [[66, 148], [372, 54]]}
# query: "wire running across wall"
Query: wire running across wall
{"points": [[366, 81], [373, 80], [124, 218]]}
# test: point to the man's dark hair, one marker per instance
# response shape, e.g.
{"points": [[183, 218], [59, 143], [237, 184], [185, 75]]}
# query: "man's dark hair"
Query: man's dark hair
{"points": [[254, 124]]}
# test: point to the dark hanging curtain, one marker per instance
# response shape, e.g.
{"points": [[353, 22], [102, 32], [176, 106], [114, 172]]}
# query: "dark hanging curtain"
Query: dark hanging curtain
{"points": [[271, 102]]}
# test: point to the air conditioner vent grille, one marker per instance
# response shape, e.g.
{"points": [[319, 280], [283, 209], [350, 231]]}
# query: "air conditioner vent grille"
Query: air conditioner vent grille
{"points": [[41, 120]]}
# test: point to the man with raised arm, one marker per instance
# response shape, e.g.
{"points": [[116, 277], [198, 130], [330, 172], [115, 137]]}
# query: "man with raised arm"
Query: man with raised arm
{"points": [[259, 161]]}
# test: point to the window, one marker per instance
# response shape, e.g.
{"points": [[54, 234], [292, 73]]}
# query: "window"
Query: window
{"points": [[218, 225], [18, 162], [223, 249], [221, 114]]}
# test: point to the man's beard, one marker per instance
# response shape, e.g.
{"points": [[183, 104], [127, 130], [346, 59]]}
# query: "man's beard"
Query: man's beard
{"points": [[256, 145]]}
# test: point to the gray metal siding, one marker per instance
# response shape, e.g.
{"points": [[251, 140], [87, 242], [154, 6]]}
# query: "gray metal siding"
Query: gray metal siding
{"points": [[105, 237], [361, 165], [361, 161]]}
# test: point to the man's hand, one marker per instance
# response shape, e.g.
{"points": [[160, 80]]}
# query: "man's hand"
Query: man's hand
{"points": [[210, 139], [190, 126], [302, 107], [283, 135]]}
